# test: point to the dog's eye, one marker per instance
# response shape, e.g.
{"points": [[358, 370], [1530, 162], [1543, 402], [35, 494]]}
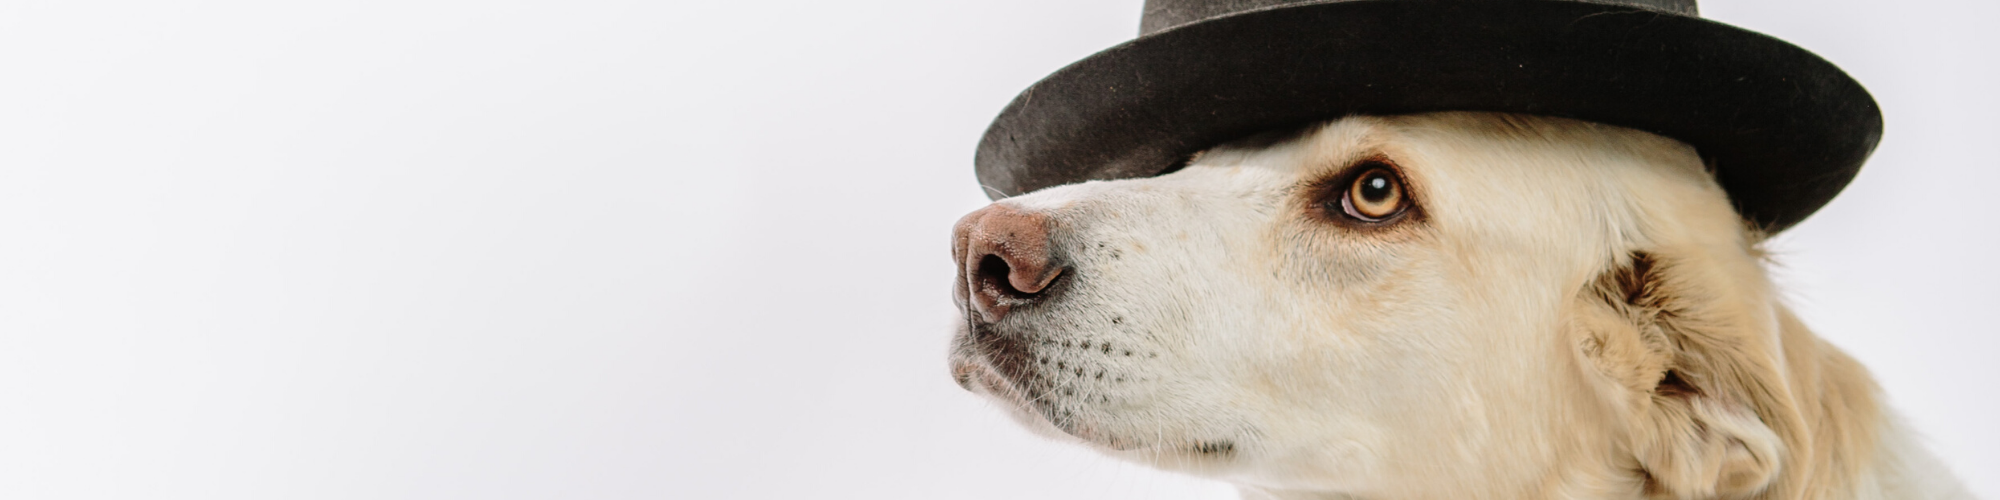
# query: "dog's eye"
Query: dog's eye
{"points": [[1375, 196]]}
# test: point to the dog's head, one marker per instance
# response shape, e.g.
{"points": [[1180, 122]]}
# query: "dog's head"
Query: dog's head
{"points": [[1412, 305]]}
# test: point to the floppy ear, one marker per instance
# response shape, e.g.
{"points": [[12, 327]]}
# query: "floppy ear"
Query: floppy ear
{"points": [[1684, 354]]}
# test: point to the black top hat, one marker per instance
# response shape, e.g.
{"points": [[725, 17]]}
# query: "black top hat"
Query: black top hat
{"points": [[1784, 129]]}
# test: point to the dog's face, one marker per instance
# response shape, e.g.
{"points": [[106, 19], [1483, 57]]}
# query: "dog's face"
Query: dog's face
{"points": [[1366, 303]]}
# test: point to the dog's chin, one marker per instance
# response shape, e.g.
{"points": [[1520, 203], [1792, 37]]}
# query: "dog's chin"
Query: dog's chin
{"points": [[1034, 411], [1043, 418], [985, 382]]}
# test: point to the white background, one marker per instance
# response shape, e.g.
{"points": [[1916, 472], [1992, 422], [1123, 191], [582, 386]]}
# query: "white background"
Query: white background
{"points": [[433, 250]]}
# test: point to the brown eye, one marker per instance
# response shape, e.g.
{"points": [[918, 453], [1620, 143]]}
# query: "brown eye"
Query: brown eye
{"points": [[1376, 195]]}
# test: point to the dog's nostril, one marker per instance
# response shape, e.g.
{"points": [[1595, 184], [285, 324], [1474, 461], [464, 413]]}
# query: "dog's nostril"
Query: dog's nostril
{"points": [[993, 271]]}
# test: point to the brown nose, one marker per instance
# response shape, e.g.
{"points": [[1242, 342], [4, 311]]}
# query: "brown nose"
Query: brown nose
{"points": [[1003, 259]]}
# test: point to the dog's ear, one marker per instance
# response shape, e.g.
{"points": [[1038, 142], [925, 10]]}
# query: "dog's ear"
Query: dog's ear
{"points": [[1678, 348]]}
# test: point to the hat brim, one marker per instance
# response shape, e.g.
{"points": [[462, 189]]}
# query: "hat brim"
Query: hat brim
{"points": [[1783, 129]]}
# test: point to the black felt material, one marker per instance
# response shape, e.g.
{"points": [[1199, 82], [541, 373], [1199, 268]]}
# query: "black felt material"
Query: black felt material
{"points": [[1784, 129]]}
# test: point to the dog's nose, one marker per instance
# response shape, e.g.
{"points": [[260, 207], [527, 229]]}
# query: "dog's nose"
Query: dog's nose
{"points": [[1003, 258]]}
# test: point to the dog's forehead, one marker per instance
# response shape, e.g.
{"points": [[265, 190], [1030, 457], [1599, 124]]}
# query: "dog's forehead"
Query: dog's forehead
{"points": [[1475, 148], [1302, 150]]}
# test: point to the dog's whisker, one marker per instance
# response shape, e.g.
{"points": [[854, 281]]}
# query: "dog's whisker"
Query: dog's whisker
{"points": [[1003, 194]]}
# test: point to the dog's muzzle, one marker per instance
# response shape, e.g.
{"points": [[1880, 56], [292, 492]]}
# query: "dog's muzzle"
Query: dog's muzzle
{"points": [[1006, 264]]}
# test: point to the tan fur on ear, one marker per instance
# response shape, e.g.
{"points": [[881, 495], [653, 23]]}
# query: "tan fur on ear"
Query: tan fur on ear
{"points": [[1709, 411], [1696, 447]]}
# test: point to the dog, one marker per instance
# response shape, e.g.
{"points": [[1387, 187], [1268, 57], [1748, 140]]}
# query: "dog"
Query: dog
{"points": [[1433, 306]]}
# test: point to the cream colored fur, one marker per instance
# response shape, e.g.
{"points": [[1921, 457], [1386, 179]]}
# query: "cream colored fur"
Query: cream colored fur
{"points": [[1510, 341]]}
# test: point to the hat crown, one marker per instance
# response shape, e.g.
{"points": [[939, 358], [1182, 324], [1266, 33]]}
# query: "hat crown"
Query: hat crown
{"points": [[1161, 15]]}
